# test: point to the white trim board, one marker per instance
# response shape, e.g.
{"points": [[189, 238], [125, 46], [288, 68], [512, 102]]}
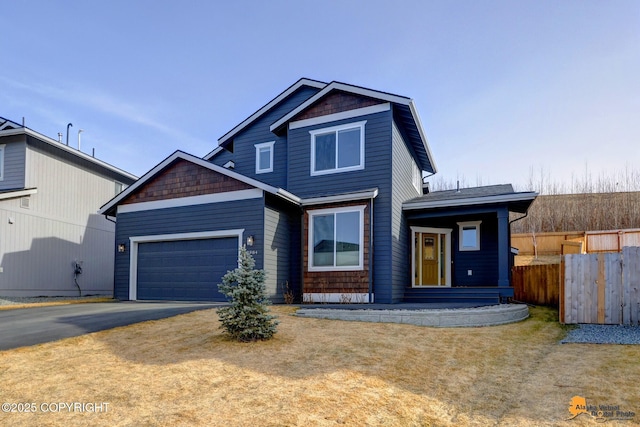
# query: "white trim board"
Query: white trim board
{"points": [[229, 196], [337, 297], [134, 241], [341, 116]]}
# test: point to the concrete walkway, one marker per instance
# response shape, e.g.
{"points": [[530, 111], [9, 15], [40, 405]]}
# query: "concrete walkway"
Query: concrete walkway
{"points": [[436, 315]]}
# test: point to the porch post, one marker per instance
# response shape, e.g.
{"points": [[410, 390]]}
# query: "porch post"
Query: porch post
{"points": [[503, 247]]}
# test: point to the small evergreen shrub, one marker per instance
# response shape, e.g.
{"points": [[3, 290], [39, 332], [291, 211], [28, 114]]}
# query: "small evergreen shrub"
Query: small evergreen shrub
{"points": [[247, 317]]}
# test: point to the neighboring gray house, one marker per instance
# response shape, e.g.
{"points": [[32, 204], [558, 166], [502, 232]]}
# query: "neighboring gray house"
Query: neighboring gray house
{"points": [[52, 241], [324, 186]]}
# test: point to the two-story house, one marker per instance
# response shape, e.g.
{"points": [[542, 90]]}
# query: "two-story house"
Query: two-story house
{"points": [[324, 186], [53, 242]]}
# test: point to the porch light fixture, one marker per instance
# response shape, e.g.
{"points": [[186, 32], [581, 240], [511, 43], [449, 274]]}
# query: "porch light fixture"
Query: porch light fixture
{"points": [[122, 247], [249, 240]]}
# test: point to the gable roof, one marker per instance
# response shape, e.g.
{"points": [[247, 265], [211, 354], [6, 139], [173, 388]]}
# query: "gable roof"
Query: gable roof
{"points": [[110, 207], [255, 116], [405, 112], [9, 127], [503, 193]]}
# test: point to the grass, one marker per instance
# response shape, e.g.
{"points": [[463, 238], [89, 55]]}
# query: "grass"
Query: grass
{"points": [[86, 300], [183, 371]]}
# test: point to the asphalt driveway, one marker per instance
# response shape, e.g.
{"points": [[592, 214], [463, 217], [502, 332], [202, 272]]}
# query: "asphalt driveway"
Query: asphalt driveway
{"points": [[29, 326]]}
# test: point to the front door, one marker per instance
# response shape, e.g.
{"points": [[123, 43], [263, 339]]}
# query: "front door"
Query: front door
{"points": [[431, 256]]}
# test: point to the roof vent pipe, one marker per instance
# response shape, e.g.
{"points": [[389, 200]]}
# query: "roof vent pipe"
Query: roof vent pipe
{"points": [[79, 132], [60, 137], [457, 186], [68, 126]]}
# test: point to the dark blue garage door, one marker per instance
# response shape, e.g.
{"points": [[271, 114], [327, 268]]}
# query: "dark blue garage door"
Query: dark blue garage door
{"points": [[185, 270]]}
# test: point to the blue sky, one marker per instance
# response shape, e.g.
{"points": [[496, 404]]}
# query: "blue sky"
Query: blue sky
{"points": [[503, 88]]}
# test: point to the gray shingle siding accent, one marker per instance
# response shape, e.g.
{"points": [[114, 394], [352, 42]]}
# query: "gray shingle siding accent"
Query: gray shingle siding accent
{"points": [[402, 190], [276, 252], [244, 151], [14, 162], [246, 214]]}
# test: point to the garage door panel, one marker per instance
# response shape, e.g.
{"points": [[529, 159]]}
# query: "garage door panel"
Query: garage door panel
{"points": [[187, 270]]}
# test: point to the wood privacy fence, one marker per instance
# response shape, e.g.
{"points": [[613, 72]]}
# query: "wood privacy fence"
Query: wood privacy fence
{"points": [[562, 243], [601, 288], [537, 284]]}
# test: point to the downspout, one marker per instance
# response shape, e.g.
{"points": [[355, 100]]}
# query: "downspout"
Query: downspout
{"points": [[371, 296]]}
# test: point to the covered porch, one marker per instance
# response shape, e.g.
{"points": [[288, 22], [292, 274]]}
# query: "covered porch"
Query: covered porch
{"points": [[460, 244]]}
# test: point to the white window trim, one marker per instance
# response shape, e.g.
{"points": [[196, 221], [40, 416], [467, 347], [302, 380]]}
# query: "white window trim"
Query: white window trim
{"points": [[312, 213], [447, 255], [416, 175], [461, 226], [258, 148], [337, 129], [2, 156]]}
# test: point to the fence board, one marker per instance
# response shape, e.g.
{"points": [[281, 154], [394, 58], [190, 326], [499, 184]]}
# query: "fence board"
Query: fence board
{"points": [[601, 288], [537, 284]]}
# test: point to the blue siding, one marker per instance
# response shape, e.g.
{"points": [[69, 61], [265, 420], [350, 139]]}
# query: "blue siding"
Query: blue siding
{"points": [[376, 173], [403, 190], [244, 152], [482, 263], [14, 162], [242, 214]]}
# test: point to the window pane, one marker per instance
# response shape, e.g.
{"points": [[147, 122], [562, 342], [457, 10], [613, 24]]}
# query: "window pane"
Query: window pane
{"points": [[325, 151], [348, 148], [265, 158], [348, 238], [323, 240], [469, 237]]}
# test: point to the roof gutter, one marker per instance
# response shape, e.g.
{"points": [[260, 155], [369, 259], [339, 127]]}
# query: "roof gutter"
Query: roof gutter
{"points": [[468, 202]]}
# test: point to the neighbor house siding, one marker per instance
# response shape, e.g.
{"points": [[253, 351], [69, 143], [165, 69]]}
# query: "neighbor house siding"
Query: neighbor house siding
{"points": [[376, 173], [14, 162], [244, 151], [241, 214], [40, 245], [402, 190]]}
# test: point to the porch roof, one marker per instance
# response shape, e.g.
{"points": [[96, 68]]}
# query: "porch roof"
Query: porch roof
{"points": [[474, 196]]}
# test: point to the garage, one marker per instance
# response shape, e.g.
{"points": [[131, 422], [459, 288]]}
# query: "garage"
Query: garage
{"points": [[184, 270]]}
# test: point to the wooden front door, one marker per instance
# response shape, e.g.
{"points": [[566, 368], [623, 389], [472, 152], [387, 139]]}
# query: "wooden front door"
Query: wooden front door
{"points": [[431, 257]]}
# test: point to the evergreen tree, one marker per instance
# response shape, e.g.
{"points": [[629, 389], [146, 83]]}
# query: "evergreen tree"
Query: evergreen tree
{"points": [[247, 317]]}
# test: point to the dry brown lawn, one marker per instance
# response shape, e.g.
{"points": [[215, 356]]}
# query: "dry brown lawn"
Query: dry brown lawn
{"points": [[182, 371]]}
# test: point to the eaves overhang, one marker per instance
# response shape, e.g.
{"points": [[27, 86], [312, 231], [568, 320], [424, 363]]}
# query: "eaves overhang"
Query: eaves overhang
{"points": [[340, 198], [275, 101], [516, 201], [406, 110]]}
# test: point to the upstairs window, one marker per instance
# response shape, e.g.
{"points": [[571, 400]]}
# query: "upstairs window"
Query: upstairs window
{"points": [[264, 157], [337, 149]]}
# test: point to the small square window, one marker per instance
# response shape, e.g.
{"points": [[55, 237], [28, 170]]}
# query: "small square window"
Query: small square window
{"points": [[469, 235], [264, 157]]}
